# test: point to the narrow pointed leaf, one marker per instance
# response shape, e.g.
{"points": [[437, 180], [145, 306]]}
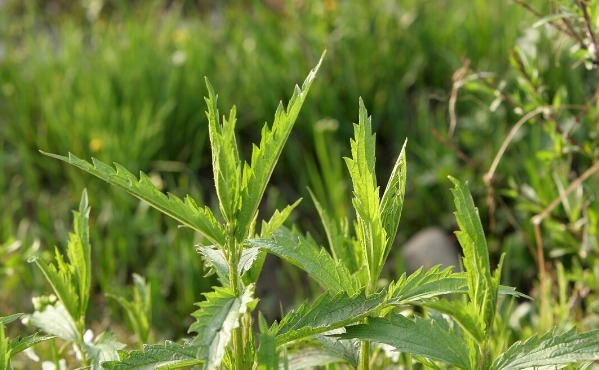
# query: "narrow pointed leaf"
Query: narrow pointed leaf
{"points": [[4, 320], [392, 201], [215, 320], [432, 339], [548, 351], [482, 288], [423, 285], [185, 211], [317, 262], [340, 243], [225, 157], [371, 235], [17, 345], [264, 157], [277, 220], [79, 253], [155, 356], [328, 312]]}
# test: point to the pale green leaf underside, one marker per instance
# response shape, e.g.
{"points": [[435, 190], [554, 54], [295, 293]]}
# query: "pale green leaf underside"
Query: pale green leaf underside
{"points": [[317, 262], [311, 358], [328, 312], [432, 339], [256, 175], [216, 259], [104, 348], [155, 356], [548, 351], [55, 320], [215, 320], [185, 211]]}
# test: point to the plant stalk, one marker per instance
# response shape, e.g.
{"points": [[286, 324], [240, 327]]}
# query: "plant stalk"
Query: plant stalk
{"points": [[233, 261]]}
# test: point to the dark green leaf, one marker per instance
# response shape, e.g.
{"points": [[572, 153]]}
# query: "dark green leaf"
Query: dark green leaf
{"points": [[155, 356]]}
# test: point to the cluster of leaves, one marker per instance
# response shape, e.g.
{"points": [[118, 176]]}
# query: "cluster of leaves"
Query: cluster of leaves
{"points": [[549, 197], [353, 311]]}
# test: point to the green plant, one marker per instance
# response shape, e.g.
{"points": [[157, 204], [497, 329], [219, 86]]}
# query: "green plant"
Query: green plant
{"points": [[10, 347], [63, 315], [352, 301]]}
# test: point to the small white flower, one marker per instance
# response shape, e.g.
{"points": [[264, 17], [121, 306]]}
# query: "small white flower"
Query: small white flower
{"points": [[49, 365], [30, 353]]}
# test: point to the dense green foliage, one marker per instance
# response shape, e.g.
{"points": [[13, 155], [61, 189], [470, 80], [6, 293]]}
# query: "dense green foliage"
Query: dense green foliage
{"points": [[535, 177]]}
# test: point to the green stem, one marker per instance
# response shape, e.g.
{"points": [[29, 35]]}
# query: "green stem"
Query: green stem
{"points": [[233, 261], [364, 356]]}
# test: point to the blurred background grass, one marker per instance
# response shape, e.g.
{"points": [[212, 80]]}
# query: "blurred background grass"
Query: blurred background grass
{"points": [[123, 81]]}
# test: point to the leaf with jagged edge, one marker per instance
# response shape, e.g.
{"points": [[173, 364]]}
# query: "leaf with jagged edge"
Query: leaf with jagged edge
{"points": [[463, 314], [185, 211], [226, 164], [369, 224], [317, 262], [71, 281], [433, 339], [328, 312], [215, 320], [268, 357], [276, 220], [422, 285], [11, 347], [215, 259], [255, 175], [392, 201], [155, 356], [339, 240], [549, 351], [482, 287]]}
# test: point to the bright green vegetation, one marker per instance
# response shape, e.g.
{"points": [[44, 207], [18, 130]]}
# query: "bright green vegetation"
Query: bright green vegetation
{"points": [[525, 136]]}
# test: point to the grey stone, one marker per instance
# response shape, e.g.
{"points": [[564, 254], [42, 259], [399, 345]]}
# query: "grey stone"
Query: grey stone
{"points": [[429, 247]]}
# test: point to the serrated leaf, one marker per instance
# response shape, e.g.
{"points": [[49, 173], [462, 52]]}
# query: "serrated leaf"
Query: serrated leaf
{"points": [[392, 200], [328, 312], [104, 348], [256, 175], [225, 157], [268, 357], [215, 320], [371, 235], [185, 211], [340, 243], [155, 356], [482, 287], [432, 339], [462, 313], [55, 320], [317, 262], [215, 259], [548, 351], [277, 220], [423, 285]]}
